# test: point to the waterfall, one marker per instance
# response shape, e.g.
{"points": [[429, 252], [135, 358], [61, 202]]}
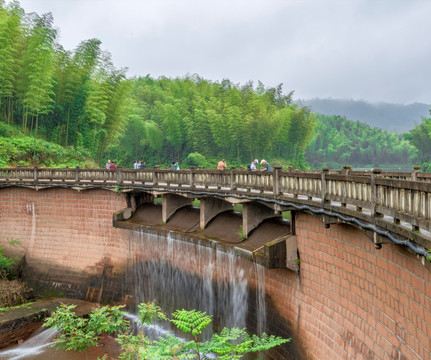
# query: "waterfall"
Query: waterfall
{"points": [[261, 301], [181, 274]]}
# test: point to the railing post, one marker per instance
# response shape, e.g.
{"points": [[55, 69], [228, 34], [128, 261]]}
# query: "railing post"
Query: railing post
{"points": [[416, 170], [35, 174], [232, 178], [374, 194], [325, 171], [155, 175], [192, 177], [346, 169], [276, 180], [119, 175], [77, 174]]}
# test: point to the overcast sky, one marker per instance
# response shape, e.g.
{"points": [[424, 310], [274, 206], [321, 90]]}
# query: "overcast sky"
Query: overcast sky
{"points": [[375, 50]]}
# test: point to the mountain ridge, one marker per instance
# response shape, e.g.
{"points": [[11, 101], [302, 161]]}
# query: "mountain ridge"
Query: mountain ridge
{"points": [[397, 118]]}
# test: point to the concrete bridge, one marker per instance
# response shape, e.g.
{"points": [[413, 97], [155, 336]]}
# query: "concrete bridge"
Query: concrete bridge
{"points": [[361, 239], [390, 207]]}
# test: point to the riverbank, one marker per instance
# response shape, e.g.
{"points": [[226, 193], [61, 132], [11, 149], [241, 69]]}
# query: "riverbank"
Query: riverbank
{"points": [[18, 323], [21, 335]]}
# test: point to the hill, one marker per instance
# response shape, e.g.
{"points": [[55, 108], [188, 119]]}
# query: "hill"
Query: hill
{"points": [[393, 117]]}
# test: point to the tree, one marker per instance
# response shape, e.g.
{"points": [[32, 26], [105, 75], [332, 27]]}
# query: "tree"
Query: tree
{"points": [[35, 82], [10, 41], [420, 137]]}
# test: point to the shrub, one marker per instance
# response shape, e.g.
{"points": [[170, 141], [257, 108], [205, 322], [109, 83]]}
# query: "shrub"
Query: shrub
{"points": [[195, 159], [78, 334]]}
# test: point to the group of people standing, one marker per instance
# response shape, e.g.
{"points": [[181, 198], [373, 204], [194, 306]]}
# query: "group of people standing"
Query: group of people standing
{"points": [[110, 165], [139, 165], [253, 165]]}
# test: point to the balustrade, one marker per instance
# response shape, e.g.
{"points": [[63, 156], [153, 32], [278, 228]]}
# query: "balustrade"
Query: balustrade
{"points": [[405, 197]]}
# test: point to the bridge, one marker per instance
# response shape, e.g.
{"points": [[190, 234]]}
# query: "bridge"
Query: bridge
{"points": [[389, 206], [362, 285]]}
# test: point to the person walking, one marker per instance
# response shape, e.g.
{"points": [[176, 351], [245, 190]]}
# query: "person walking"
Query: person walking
{"points": [[108, 164]]}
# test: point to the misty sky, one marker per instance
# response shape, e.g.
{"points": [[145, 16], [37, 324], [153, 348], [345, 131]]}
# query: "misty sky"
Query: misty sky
{"points": [[375, 50]]}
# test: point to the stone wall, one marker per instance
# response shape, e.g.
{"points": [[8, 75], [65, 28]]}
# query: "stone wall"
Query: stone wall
{"points": [[349, 301]]}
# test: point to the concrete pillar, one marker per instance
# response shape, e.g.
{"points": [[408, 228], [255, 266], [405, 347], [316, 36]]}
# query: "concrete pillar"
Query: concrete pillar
{"points": [[210, 208], [171, 203], [253, 214]]}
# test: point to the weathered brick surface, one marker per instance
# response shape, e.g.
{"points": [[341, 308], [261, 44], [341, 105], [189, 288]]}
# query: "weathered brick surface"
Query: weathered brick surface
{"points": [[358, 302], [350, 300], [63, 227]]}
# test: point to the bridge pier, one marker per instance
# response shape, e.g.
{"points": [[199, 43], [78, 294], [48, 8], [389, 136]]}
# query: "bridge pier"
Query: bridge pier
{"points": [[171, 203], [136, 199], [210, 207], [253, 214]]}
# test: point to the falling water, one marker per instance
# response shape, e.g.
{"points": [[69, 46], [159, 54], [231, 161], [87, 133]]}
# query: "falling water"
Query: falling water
{"points": [[261, 301], [179, 274], [34, 346]]}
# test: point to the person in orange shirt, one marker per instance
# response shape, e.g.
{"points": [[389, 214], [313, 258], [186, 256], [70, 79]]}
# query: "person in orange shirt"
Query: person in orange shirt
{"points": [[221, 165]]}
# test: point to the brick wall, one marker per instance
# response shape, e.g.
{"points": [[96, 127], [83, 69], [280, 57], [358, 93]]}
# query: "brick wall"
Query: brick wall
{"points": [[358, 302], [66, 235], [350, 301]]}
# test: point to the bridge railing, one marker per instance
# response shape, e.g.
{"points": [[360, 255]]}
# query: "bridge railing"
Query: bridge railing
{"points": [[403, 196]]}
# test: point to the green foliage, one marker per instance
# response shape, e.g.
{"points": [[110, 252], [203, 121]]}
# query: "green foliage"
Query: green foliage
{"points": [[241, 232], [195, 120], [22, 306], [7, 263], [79, 333], [148, 312], [338, 142], [78, 98], [195, 159], [27, 151], [191, 322], [420, 137]]}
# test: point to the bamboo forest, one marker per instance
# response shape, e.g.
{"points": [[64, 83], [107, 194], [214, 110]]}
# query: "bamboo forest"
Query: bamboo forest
{"points": [[75, 108]]}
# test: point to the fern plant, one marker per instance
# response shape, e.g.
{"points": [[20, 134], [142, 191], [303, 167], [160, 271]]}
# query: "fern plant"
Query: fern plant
{"points": [[230, 344]]}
